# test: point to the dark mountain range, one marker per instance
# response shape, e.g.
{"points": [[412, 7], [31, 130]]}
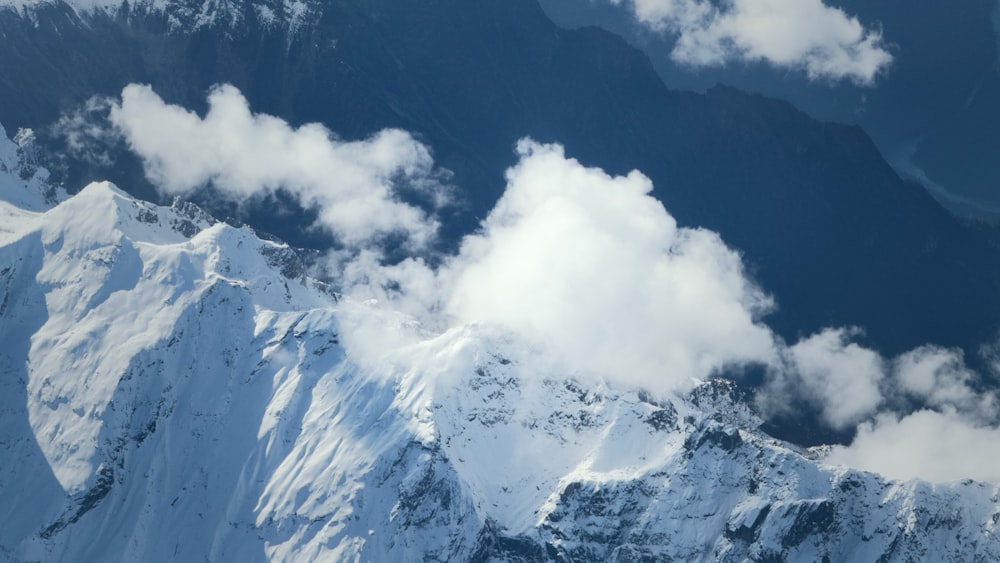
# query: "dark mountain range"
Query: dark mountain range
{"points": [[824, 222], [932, 111]]}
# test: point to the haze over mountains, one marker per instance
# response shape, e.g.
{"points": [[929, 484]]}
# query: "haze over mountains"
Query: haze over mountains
{"points": [[528, 243]]}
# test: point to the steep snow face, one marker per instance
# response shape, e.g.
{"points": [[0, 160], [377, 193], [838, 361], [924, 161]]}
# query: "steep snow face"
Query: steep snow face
{"points": [[175, 389], [162, 373]]}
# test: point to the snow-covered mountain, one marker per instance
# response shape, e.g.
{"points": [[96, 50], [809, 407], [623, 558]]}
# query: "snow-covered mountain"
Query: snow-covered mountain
{"points": [[177, 389]]}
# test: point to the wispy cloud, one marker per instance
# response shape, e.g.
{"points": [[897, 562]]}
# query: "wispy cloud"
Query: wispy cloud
{"points": [[806, 35], [834, 375], [354, 184]]}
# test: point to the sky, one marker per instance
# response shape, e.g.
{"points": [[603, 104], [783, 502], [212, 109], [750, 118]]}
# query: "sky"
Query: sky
{"points": [[586, 269]]}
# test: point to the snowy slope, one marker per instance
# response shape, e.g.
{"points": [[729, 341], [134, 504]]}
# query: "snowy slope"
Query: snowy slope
{"points": [[173, 389]]}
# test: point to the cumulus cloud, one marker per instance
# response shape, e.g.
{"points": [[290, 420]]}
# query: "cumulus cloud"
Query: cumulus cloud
{"points": [[353, 184], [808, 35], [593, 272], [918, 415], [952, 436], [936, 446], [838, 377], [594, 269], [939, 378]]}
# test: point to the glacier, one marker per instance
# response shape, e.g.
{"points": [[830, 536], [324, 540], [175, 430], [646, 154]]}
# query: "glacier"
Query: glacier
{"points": [[177, 389]]}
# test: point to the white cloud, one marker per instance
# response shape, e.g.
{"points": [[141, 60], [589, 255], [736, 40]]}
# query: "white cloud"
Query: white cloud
{"points": [[823, 41], [951, 437], [594, 274], [939, 378], [594, 269], [835, 375], [930, 445], [243, 154]]}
